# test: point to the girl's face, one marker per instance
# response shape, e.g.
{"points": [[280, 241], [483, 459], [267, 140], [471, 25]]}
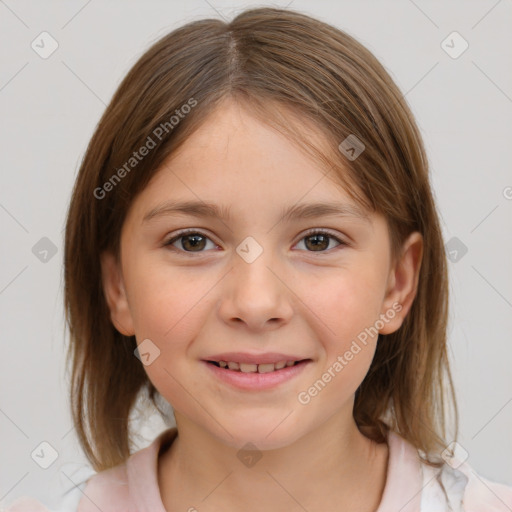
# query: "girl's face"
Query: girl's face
{"points": [[251, 280]]}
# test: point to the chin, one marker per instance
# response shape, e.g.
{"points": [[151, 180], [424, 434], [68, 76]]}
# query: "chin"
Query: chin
{"points": [[266, 433]]}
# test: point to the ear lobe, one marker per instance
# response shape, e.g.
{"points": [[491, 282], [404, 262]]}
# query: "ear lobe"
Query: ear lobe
{"points": [[115, 294], [403, 282]]}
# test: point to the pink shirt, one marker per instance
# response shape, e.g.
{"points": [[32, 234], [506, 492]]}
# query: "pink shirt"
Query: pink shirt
{"points": [[411, 486]]}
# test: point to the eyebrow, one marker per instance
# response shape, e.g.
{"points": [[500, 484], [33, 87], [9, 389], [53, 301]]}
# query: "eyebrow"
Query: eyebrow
{"points": [[202, 209]]}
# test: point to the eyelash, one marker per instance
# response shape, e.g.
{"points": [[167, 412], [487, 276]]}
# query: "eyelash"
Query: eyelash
{"points": [[314, 231]]}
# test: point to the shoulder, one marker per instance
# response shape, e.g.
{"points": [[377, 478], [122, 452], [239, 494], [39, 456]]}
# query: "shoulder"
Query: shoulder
{"points": [[461, 489], [130, 486], [109, 488], [453, 486], [72, 482], [25, 504]]}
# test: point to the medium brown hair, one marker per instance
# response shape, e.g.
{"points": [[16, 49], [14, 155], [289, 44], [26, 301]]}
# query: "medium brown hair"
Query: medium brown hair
{"points": [[282, 64]]}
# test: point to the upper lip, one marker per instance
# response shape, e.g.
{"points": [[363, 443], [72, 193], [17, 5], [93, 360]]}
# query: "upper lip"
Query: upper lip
{"points": [[244, 357]]}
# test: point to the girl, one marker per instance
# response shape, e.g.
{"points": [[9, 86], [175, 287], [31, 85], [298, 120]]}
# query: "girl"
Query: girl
{"points": [[252, 238]]}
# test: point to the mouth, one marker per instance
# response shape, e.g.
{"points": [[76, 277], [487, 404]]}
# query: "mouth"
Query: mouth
{"points": [[236, 366], [256, 376]]}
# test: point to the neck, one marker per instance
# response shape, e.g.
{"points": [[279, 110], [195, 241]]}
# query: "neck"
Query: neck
{"points": [[335, 463]]}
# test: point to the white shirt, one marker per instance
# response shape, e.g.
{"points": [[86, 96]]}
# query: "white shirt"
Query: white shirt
{"points": [[411, 485]]}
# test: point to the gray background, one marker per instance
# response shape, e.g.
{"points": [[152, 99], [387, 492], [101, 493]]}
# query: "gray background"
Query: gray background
{"points": [[49, 108]]}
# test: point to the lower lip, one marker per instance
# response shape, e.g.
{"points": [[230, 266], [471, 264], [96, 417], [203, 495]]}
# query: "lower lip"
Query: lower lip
{"points": [[257, 381]]}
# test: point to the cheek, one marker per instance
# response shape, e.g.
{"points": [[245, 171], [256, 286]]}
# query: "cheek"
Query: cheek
{"points": [[346, 308], [346, 302], [165, 301], [168, 309]]}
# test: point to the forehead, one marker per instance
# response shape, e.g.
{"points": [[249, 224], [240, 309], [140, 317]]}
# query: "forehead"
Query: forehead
{"points": [[233, 152]]}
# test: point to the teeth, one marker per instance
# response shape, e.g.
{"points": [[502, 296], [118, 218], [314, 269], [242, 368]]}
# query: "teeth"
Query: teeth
{"points": [[255, 368], [248, 368], [265, 368]]}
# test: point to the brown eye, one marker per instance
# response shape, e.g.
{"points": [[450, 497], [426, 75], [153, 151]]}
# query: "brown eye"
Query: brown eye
{"points": [[196, 242], [191, 241], [319, 241]]}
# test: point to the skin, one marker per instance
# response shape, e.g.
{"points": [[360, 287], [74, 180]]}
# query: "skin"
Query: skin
{"points": [[291, 299]]}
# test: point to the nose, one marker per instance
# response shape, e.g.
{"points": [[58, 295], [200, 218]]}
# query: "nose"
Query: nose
{"points": [[256, 295]]}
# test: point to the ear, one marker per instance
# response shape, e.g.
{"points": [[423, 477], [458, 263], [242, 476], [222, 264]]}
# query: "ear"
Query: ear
{"points": [[115, 294], [403, 283]]}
